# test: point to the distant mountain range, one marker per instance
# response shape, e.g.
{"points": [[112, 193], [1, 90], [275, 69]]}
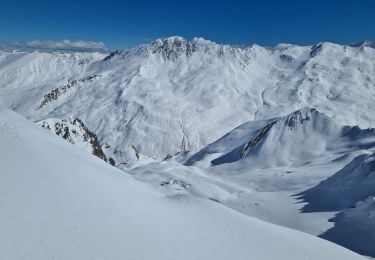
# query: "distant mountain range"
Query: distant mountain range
{"points": [[284, 134]]}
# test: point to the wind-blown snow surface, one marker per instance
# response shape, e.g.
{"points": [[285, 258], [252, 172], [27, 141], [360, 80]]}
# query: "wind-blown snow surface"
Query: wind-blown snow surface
{"points": [[238, 126], [263, 167], [57, 202], [174, 95]]}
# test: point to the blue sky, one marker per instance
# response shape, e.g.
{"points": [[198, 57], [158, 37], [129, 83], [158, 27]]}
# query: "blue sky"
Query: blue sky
{"points": [[122, 24]]}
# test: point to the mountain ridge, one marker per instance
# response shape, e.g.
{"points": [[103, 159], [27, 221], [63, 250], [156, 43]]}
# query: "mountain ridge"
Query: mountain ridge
{"points": [[300, 137], [158, 92]]}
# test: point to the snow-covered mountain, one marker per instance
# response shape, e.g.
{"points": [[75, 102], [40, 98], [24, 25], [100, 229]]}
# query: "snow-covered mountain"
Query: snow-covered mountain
{"points": [[302, 137], [174, 95], [57, 202], [262, 131], [279, 170]]}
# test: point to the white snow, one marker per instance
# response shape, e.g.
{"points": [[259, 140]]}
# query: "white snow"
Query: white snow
{"points": [[354, 223], [355, 182], [173, 95], [275, 181], [218, 133], [59, 203]]}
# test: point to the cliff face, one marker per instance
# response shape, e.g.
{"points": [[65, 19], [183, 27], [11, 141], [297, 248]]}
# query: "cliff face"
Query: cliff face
{"points": [[74, 131]]}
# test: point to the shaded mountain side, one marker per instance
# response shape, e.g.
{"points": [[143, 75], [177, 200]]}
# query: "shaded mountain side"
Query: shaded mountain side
{"points": [[355, 228], [296, 139], [355, 182]]}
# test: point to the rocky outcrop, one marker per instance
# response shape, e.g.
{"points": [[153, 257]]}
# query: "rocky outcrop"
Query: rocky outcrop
{"points": [[316, 49], [258, 137], [173, 47], [299, 117], [175, 185], [61, 90], [75, 131], [135, 151], [291, 121], [113, 54]]}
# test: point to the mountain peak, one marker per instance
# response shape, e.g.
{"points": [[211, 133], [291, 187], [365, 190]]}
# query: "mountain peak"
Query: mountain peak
{"points": [[172, 47], [300, 116], [295, 138]]}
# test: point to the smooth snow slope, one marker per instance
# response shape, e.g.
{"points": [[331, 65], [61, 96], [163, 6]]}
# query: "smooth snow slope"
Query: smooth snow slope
{"points": [[263, 167], [175, 95], [59, 203]]}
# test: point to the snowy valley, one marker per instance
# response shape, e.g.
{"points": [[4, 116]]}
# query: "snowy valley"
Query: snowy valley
{"points": [[260, 149]]}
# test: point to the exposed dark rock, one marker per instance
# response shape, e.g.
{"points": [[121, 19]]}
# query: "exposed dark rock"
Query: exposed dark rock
{"points": [[258, 137], [169, 156], [173, 47], [83, 61], [113, 54], [136, 151], [112, 161], [286, 58], [177, 185], [61, 90], [316, 49], [297, 117], [62, 128]]}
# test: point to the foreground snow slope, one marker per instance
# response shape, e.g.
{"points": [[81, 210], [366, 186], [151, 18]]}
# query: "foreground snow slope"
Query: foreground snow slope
{"points": [[175, 95], [293, 171], [59, 203]]}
